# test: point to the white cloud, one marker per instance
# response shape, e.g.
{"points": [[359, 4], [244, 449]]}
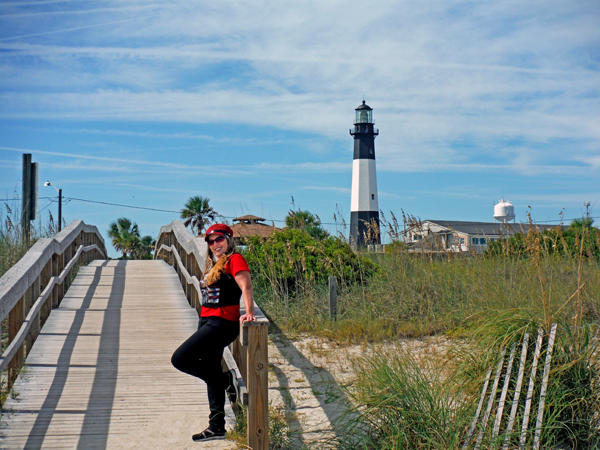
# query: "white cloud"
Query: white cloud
{"points": [[436, 73]]}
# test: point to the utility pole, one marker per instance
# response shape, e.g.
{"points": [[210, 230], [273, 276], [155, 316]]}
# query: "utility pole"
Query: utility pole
{"points": [[587, 209], [47, 183], [29, 197]]}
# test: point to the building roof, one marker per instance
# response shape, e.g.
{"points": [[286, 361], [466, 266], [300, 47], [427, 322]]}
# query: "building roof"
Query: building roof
{"points": [[487, 228], [249, 218], [250, 226]]}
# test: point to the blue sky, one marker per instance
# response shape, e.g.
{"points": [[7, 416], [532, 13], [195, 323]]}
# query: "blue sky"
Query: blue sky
{"points": [[147, 103]]}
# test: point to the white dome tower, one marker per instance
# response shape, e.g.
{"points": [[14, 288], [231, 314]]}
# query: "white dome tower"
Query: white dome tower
{"points": [[504, 211]]}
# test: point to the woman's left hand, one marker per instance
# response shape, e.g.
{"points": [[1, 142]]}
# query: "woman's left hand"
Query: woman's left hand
{"points": [[248, 317]]}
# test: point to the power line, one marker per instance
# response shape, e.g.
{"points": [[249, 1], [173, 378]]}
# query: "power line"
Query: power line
{"points": [[122, 206], [19, 198], [68, 199]]}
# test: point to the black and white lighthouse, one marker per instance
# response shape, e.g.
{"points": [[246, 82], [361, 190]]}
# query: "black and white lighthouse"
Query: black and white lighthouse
{"points": [[364, 210]]}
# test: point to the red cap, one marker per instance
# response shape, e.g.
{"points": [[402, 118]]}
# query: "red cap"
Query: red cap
{"points": [[218, 228]]}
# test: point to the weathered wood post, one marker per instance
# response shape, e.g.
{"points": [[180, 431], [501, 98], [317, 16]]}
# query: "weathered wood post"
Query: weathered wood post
{"points": [[258, 381], [15, 319], [46, 274], [27, 304], [333, 298]]}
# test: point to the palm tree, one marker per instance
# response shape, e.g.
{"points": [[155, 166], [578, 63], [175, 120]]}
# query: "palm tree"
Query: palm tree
{"points": [[145, 248], [125, 236], [198, 213], [306, 221]]}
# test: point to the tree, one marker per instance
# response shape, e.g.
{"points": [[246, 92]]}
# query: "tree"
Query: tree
{"points": [[198, 213], [144, 248], [125, 236], [307, 222], [581, 224]]}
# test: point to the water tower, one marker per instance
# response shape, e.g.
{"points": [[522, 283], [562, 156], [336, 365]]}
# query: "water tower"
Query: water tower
{"points": [[364, 205], [504, 211]]}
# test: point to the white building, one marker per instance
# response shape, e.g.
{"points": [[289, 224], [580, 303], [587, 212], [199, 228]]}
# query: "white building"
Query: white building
{"points": [[458, 236]]}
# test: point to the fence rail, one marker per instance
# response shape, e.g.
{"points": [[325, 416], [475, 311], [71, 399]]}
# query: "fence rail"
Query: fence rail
{"points": [[248, 355], [37, 283]]}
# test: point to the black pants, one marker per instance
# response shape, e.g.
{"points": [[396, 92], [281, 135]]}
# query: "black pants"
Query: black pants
{"points": [[200, 355]]}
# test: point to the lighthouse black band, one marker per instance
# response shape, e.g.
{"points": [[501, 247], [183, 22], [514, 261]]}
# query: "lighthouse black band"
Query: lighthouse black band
{"points": [[361, 232]]}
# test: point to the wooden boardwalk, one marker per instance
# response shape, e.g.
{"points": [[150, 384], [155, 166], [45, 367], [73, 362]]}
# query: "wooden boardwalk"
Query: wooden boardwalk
{"points": [[100, 377]]}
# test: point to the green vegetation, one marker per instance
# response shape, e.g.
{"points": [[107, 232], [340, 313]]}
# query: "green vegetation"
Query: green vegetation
{"points": [[405, 403], [307, 222], [126, 239], [485, 302], [198, 213], [279, 430], [290, 267], [581, 238], [400, 294], [402, 403], [12, 245]]}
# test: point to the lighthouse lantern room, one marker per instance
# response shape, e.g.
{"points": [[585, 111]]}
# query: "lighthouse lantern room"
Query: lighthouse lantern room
{"points": [[364, 211]]}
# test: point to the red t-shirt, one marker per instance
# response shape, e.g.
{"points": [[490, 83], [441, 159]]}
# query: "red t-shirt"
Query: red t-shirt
{"points": [[234, 265]]}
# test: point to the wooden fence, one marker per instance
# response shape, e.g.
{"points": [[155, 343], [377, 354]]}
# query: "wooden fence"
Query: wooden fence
{"points": [[248, 354], [37, 283]]}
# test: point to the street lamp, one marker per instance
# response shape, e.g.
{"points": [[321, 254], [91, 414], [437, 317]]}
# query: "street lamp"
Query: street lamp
{"points": [[47, 183]]}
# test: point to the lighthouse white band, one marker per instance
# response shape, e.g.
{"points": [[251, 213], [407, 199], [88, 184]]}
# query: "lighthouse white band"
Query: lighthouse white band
{"points": [[364, 186]]}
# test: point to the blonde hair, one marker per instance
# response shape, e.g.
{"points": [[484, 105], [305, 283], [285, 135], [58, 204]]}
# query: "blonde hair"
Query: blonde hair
{"points": [[215, 268]]}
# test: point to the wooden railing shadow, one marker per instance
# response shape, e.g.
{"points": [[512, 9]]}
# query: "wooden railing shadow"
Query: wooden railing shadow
{"points": [[248, 355], [37, 283], [296, 358]]}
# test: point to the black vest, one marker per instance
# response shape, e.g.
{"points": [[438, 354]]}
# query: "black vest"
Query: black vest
{"points": [[224, 292]]}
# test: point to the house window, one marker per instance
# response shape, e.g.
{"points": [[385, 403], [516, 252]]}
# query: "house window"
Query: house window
{"points": [[482, 241], [475, 241], [462, 241]]}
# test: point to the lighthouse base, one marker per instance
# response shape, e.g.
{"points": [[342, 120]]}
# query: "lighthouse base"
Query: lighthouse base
{"points": [[364, 228]]}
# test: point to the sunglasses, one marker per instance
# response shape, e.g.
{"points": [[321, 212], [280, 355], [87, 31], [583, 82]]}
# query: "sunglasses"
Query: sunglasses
{"points": [[218, 240]]}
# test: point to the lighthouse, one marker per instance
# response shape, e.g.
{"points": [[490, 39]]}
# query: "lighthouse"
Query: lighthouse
{"points": [[364, 208]]}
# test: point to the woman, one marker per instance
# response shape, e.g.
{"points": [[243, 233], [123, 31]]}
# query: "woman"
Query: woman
{"points": [[226, 277]]}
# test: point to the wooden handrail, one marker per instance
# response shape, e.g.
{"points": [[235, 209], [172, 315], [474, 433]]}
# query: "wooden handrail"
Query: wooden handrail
{"points": [[37, 283], [248, 354]]}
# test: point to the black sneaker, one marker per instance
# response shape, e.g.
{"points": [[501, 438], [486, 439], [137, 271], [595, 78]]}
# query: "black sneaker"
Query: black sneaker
{"points": [[232, 389], [209, 435]]}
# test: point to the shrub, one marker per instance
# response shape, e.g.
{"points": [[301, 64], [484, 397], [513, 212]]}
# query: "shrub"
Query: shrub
{"points": [[290, 258]]}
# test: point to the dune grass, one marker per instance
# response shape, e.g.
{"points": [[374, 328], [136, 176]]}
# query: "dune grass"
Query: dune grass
{"points": [[414, 295]]}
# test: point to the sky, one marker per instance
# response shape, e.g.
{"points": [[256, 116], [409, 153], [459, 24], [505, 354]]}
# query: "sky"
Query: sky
{"points": [[147, 103]]}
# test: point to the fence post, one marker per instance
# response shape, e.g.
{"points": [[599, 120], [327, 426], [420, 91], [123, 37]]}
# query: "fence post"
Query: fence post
{"points": [[333, 298]]}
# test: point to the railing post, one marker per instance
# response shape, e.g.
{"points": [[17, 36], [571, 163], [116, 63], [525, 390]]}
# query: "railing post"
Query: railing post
{"points": [[66, 259], [58, 291], [45, 279], [27, 303], [34, 331], [258, 383], [15, 320]]}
